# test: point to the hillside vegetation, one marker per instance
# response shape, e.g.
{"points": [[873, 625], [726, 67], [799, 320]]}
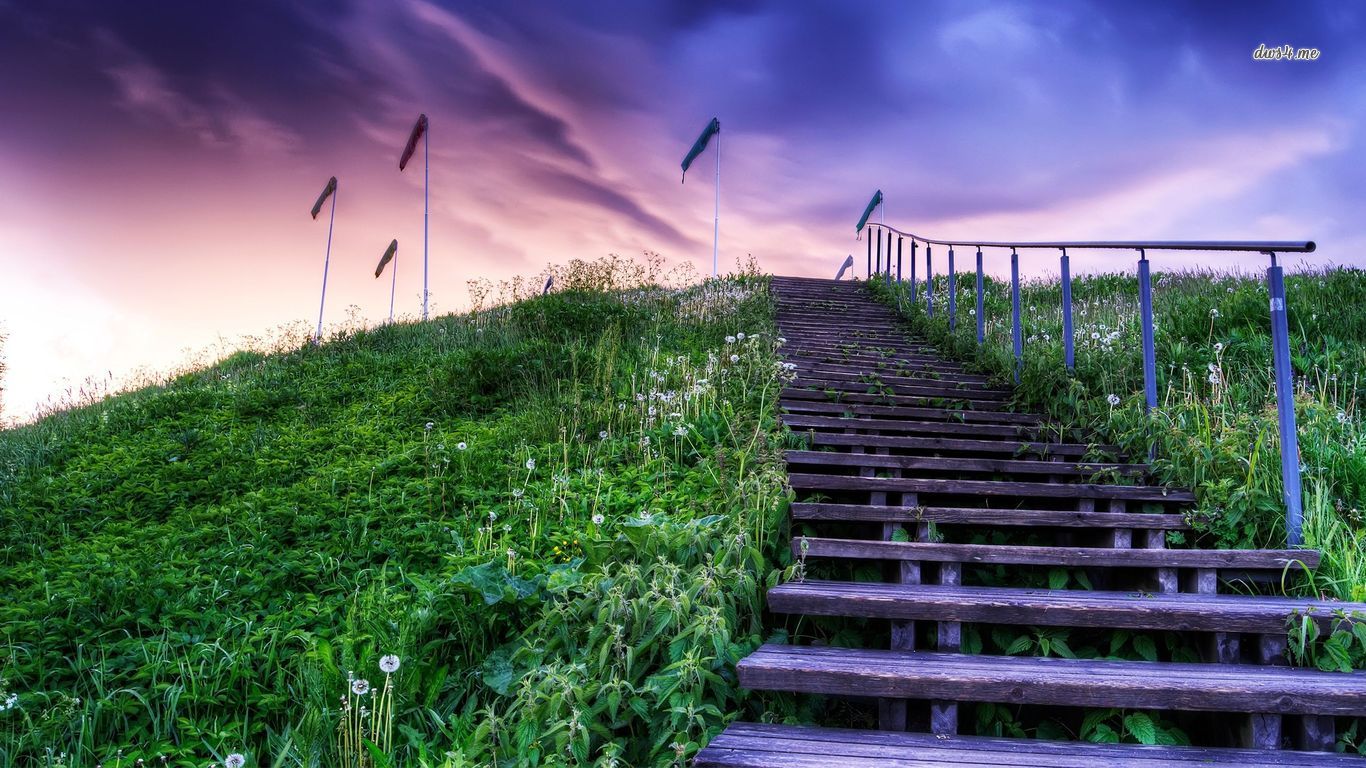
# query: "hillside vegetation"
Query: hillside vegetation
{"points": [[536, 534], [1215, 428]]}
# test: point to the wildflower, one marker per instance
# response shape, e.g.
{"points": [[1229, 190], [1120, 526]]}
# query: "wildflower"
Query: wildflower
{"points": [[740, 336], [681, 432], [730, 339], [530, 464], [11, 701], [517, 493], [428, 427], [1213, 312], [1218, 347], [1342, 419], [235, 760], [389, 664], [1095, 335], [441, 446], [1213, 378], [360, 686], [782, 340], [460, 446], [602, 435], [735, 358], [1113, 400], [512, 553], [598, 518]]}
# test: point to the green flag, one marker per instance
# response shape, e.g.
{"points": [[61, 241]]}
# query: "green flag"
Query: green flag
{"points": [[388, 256], [713, 128], [419, 128], [872, 204], [327, 190]]}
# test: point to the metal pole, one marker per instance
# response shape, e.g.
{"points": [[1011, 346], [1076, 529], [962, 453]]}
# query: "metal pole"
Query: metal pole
{"points": [[716, 222], [393, 283], [898, 259], [1069, 353], [870, 253], [327, 257], [1145, 308], [1017, 332], [879, 254], [887, 276], [981, 314], [1285, 406], [912, 272], [953, 300], [929, 281], [426, 207]]}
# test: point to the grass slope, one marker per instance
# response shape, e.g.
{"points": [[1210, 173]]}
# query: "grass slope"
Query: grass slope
{"points": [[558, 514]]}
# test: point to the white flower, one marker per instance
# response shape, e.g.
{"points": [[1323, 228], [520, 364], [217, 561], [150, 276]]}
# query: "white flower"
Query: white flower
{"points": [[1213, 312], [735, 358], [681, 432], [428, 426], [360, 686], [730, 339], [512, 553], [602, 435], [1218, 347], [598, 518], [740, 336], [235, 760], [782, 340], [1095, 335], [1342, 419], [11, 701], [517, 493], [1113, 400], [530, 464], [389, 664], [1214, 378], [1211, 368], [460, 446]]}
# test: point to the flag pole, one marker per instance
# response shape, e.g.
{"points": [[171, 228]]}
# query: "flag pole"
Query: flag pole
{"points": [[393, 282], [327, 257], [426, 199], [716, 221]]}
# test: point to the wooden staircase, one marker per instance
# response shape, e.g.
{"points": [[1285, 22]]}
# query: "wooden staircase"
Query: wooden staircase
{"points": [[907, 457]]}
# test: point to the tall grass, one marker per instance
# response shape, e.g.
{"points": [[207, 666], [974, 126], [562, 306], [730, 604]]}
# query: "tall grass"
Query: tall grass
{"points": [[558, 512], [1215, 426]]}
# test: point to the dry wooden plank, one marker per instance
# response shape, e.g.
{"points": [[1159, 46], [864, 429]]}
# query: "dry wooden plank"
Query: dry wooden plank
{"points": [[1040, 518], [1053, 682], [1062, 608], [1012, 488], [966, 445], [932, 463], [1095, 557], [806, 421]]}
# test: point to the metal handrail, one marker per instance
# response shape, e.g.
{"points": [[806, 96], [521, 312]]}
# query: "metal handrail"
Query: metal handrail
{"points": [[1275, 278], [1258, 246]]}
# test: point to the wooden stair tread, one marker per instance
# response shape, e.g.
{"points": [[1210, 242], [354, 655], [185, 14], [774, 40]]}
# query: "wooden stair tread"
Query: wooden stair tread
{"points": [[1009, 447], [762, 745], [1154, 493], [1007, 466], [1094, 557], [1044, 607], [1042, 518], [1053, 681]]}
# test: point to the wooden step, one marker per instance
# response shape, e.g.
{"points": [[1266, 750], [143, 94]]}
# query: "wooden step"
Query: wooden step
{"points": [[963, 465], [884, 425], [1075, 557], [1053, 682], [816, 402], [756, 745], [1055, 608], [977, 390], [1015, 518], [928, 392], [933, 413], [959, 445], [1149, 493]]}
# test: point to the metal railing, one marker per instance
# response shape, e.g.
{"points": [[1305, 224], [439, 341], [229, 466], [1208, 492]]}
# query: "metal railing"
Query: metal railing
{"points": [[1275, 280]]}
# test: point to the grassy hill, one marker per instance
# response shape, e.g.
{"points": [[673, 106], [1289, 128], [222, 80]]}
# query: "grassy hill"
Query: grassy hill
{"points": [[1215, 428], [557, 516]]}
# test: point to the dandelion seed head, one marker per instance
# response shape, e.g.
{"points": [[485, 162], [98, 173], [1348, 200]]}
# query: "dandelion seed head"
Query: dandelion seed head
{"points": [[460, 446], [530, 464], [389, 664], [1112, 399], [598, 518], [602, 435], [360, 686], [735, 358], [428, 427], [235, 760]]}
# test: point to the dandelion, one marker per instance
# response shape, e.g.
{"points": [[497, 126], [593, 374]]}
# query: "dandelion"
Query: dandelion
{"points": [[1342, 419], [512, 553], [735, 358], [1113, 400], [740, 336], [235, 760], [730, 339], [389, 664], [1213, 312], [602, 435], [1213, 377], [428, 427], [530, 464], [782, 340], [517, 493], [441, 446], [1218, 347], [681, 432], [598, 519], [1095, 335], [460, 446], [360, 686]]}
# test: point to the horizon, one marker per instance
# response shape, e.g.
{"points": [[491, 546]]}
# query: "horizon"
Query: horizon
{"points": [[159, 172]]}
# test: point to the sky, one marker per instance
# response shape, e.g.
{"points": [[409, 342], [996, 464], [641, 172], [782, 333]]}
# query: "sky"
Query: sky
{"points": [[158, 160]]}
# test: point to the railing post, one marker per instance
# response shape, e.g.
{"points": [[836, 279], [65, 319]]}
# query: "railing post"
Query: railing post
{"points": [[1145, 308], [953, 299], [913, 272], [1285, 406], [1017, 333], [981, 316], [1069, 352], [887, 277], [870, 253], [898, 259], [879, 253], [929, 281]]}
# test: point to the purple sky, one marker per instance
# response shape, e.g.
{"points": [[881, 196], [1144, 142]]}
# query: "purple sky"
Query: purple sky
{"points": [[157, 160]]}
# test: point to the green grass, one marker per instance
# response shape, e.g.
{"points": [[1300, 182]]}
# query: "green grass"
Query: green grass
{"points": [[560, 513], [1215, 426]]}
